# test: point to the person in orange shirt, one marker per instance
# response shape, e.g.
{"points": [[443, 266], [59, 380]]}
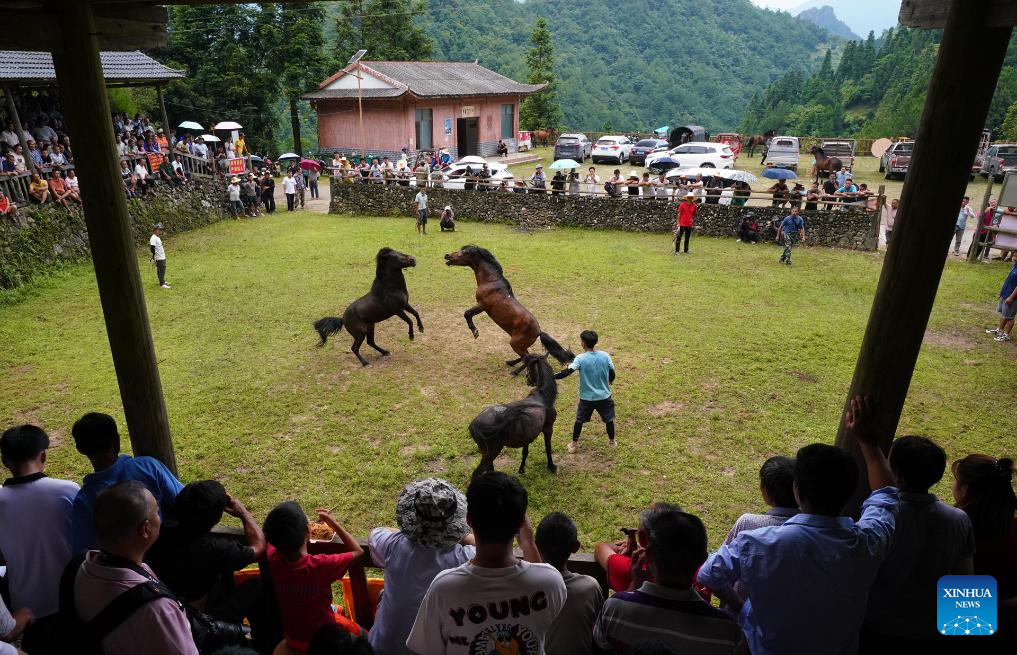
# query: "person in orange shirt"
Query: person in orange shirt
{"points": [[58, 189], [161, 139], [687, 210], [7, 207]]}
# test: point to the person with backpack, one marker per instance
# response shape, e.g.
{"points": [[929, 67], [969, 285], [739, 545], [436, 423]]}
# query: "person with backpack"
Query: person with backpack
{"points": [[120, 619]]}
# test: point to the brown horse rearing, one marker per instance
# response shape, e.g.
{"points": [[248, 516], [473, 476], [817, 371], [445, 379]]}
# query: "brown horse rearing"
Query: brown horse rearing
{"points": [[757, 140], [495, 296], [824, 164]]}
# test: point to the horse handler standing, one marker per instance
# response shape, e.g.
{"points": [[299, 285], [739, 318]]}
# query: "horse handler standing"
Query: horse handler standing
{"points": [[158, 254], [596, 374]]}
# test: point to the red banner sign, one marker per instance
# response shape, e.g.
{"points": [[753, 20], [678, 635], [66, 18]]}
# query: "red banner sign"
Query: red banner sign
{"points": [[238, 166], [154, 161]]}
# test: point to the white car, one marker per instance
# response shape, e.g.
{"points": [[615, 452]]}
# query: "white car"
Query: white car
{"points": [[455, 176], [613, 148], [697, 154]]}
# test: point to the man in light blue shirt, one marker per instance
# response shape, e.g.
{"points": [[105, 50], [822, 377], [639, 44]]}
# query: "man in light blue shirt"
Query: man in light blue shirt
{"points": [[963, 214], [808, 580], [596, 374]]}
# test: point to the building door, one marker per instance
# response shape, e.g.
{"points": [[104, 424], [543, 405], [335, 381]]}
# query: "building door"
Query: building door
{"points": [[424, 120], [467, 136]]}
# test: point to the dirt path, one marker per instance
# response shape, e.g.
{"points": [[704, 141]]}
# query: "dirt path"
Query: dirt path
{"points": [[319, 204]]}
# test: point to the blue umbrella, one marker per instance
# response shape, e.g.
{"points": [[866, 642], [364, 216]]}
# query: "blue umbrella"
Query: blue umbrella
{"points": [[779, 174]]}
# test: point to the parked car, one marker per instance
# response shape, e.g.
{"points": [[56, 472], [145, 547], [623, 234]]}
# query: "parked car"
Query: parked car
{"points": [[999, 160], [697, 154], [896, 159], [782, 153], [573, 146], [612, 148], [455, 177], [644, 147]]}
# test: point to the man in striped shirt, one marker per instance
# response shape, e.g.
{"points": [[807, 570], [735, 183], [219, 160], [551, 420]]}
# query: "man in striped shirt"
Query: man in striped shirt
{"points": [[668, 610]]}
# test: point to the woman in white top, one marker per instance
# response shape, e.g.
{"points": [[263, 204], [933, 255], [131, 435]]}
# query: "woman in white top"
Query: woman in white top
{"points": [[592, 181], [432, 536]]}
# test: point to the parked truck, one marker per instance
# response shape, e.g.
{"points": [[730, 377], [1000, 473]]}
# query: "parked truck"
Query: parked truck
{"points": [[999, 159], [896, 160], [782, 152]]}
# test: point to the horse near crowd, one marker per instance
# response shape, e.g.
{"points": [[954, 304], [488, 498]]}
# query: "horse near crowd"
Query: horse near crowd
{"points": [[517, 424], [388, 297], [824, 163], [495, 296], [758, 140]]}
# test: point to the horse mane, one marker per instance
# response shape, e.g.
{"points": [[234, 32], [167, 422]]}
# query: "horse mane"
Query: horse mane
{"points": [[485, 255], [386, 278], [819, 152], [543, 379]]}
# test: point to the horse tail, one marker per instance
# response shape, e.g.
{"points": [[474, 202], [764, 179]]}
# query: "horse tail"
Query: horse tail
{"points": [[326, 327], [555, 349]]}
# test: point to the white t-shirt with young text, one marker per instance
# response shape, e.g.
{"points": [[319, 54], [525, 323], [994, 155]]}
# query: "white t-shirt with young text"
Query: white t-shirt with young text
{"points": [[472, 609]]}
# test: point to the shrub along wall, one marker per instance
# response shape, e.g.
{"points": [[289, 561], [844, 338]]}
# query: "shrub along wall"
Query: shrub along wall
{"points": [[51, 235], [851, 228]]}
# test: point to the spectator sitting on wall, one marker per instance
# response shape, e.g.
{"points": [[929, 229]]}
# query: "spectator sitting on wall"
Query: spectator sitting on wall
{"points": [[38, 190], [130, 181], [167, 174], [58, 189], [57, 158], [141, 176], [179, 172], [7, 207], [20, 165], [73, 190], [34, 153], [96, 437], [502, 149], [9, 165]]}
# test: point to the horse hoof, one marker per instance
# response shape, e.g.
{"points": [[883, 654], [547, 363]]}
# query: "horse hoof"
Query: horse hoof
{"points": [[411, 336], [385, 353], [476, 334], [553, 468], [522, 470]]}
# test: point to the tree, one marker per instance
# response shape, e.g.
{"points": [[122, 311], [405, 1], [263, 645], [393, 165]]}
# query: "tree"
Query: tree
{"points": [[298, 35], [541, 110], [1008, 130], [235, 83], [385, 28]]}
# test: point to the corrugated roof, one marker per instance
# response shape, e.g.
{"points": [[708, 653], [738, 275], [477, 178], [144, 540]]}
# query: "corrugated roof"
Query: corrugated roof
{"points": [[17, 66], [435, 79], [352, 93]]}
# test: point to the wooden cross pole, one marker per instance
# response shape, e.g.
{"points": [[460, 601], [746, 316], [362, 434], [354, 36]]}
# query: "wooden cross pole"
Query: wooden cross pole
{"points": [[86, 109], [954, 114]]}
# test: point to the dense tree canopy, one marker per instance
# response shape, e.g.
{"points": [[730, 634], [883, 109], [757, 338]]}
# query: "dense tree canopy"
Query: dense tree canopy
{"points": [[541, 110]]}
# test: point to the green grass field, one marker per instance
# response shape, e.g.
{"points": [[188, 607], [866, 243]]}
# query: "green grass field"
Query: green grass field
{"points": [[723, 359]]}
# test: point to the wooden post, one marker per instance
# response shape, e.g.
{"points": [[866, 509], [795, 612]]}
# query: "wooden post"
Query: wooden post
{"points": [[954, 114], [86, 110], [162, 111], [878, 218], [975, 240], [12, 111]]}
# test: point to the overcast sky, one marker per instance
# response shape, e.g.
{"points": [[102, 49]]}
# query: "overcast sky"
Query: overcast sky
{"points": [[860, 15]]}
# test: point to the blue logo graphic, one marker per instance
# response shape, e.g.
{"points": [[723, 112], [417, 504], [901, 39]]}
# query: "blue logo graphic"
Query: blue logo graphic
{"points": [[966, 605]]}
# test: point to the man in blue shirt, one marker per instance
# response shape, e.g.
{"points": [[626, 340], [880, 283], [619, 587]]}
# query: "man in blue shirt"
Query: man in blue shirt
{"points": [[1007, 306], [596, 374], [808, 579], [790, 230], [963, 214], [96, 437]]}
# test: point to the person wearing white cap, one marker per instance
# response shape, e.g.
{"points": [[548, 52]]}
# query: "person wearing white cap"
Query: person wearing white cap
{"points": [[432, 536], [537, 180], [448, 220], [158, 254]]}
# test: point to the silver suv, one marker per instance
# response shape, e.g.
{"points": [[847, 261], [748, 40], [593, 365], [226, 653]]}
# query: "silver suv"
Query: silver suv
{"points": [[573, 146]]}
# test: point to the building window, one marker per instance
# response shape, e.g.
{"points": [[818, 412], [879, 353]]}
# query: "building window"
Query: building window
{"points": [[508, 122], [424, 129]]}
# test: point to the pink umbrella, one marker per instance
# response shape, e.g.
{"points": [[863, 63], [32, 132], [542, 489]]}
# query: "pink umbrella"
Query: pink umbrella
{"points": [[309, 164]]}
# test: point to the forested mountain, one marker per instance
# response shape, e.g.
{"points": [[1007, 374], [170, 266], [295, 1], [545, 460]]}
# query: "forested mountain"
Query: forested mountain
{"points": [[876, 89], [637, 64], [826, 18]]}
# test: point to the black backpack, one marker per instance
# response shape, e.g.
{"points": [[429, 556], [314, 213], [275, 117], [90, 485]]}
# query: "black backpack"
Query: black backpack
{"points": [[85, 637]]}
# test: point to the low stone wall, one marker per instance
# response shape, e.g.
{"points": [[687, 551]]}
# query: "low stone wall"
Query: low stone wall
{"points": [[852, 228], [51, 235]]}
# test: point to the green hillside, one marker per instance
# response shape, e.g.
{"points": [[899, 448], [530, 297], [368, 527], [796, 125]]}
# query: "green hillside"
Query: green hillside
{"points": [[638, 64]]}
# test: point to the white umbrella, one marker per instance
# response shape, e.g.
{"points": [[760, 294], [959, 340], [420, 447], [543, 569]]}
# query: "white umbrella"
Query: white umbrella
{"points": [[472, 159], [288, 155], [190, 125], [738, 176], [561, 164], [210, 137], [692, 172], [228, 125]]}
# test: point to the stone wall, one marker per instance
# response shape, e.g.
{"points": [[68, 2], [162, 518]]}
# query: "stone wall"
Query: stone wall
{"points": [[50, 235], [851, 228]]}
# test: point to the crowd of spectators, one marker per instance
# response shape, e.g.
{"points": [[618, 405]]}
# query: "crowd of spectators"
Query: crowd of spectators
{"points": [[131, 557]]}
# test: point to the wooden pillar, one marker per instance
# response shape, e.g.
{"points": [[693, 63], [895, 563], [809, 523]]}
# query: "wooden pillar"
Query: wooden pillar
{"points": [[162, 111], [952, 120], [12, 111], [976, 239], [86, 110]]}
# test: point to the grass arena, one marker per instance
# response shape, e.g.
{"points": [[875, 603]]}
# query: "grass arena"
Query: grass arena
{"points": [[723, 359]]}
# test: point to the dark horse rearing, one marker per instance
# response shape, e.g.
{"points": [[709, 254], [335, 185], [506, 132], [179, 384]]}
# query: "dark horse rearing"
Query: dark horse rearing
{"points": [[517, 424], [495, 296], [388, 297]]}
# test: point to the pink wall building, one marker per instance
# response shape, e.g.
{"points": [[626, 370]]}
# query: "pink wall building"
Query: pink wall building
{"points": [[418, 105]]}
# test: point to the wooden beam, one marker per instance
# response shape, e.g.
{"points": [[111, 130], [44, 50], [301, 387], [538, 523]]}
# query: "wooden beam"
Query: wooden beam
{"points": [[933, 13], [954, 114], [86, 110], [129, 26], [12, 112]]}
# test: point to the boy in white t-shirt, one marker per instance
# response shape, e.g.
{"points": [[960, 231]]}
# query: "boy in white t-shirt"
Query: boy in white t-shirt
{"points": [[494, 603], [158, 254]]}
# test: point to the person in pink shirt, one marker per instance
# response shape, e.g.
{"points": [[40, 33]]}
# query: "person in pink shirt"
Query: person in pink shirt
{"points": [[126, 519]]}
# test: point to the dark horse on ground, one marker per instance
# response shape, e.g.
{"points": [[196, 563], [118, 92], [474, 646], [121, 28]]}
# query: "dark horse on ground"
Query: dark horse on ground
{"points": [[517, 424], [495, 296], [757, 140], [824, 164], [388, 297]]}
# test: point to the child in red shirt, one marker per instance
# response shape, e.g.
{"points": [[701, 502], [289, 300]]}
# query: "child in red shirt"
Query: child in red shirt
{"points": [[687, 209], [303, 583]]}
